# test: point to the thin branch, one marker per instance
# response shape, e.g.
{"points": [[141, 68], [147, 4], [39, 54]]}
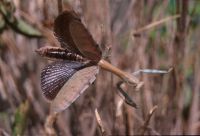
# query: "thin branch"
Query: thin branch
{"points": [[141, 121]]}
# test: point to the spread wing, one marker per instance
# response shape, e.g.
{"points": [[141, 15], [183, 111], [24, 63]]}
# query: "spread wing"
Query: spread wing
{"points": [[73, 35], [73, 88], [84, 41], [61, 30], [55, 75]]}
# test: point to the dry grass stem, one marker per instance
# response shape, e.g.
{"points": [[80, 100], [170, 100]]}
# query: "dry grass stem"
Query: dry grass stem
{"points": [[146, 36], [146, 122], [154, 24], [49, 128], [100, 123], [60, 6]]}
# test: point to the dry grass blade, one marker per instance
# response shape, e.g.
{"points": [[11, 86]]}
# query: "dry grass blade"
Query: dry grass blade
{"points": [[154, 24], [49, 129], [99, 121], [3, 132], [60, 7], [164, 40]]}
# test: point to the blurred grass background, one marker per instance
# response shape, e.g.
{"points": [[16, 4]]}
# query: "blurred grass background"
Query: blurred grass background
{"points": [[27, 25]]}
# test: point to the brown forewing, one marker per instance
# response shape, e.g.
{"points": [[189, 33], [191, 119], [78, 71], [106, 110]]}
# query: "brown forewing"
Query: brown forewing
{"points": [[73, 35], [73, 88], [61, 30], [84, 41]]}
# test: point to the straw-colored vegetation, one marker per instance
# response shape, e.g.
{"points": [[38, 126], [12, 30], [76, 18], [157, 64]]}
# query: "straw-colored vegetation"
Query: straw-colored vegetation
{"points": [[142, 34]]}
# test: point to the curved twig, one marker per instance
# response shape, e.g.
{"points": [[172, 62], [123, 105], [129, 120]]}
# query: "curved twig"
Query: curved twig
{"points": [[146, 122]]}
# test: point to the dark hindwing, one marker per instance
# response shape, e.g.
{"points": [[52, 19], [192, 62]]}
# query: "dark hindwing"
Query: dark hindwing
{"points": [[55, 75]]}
